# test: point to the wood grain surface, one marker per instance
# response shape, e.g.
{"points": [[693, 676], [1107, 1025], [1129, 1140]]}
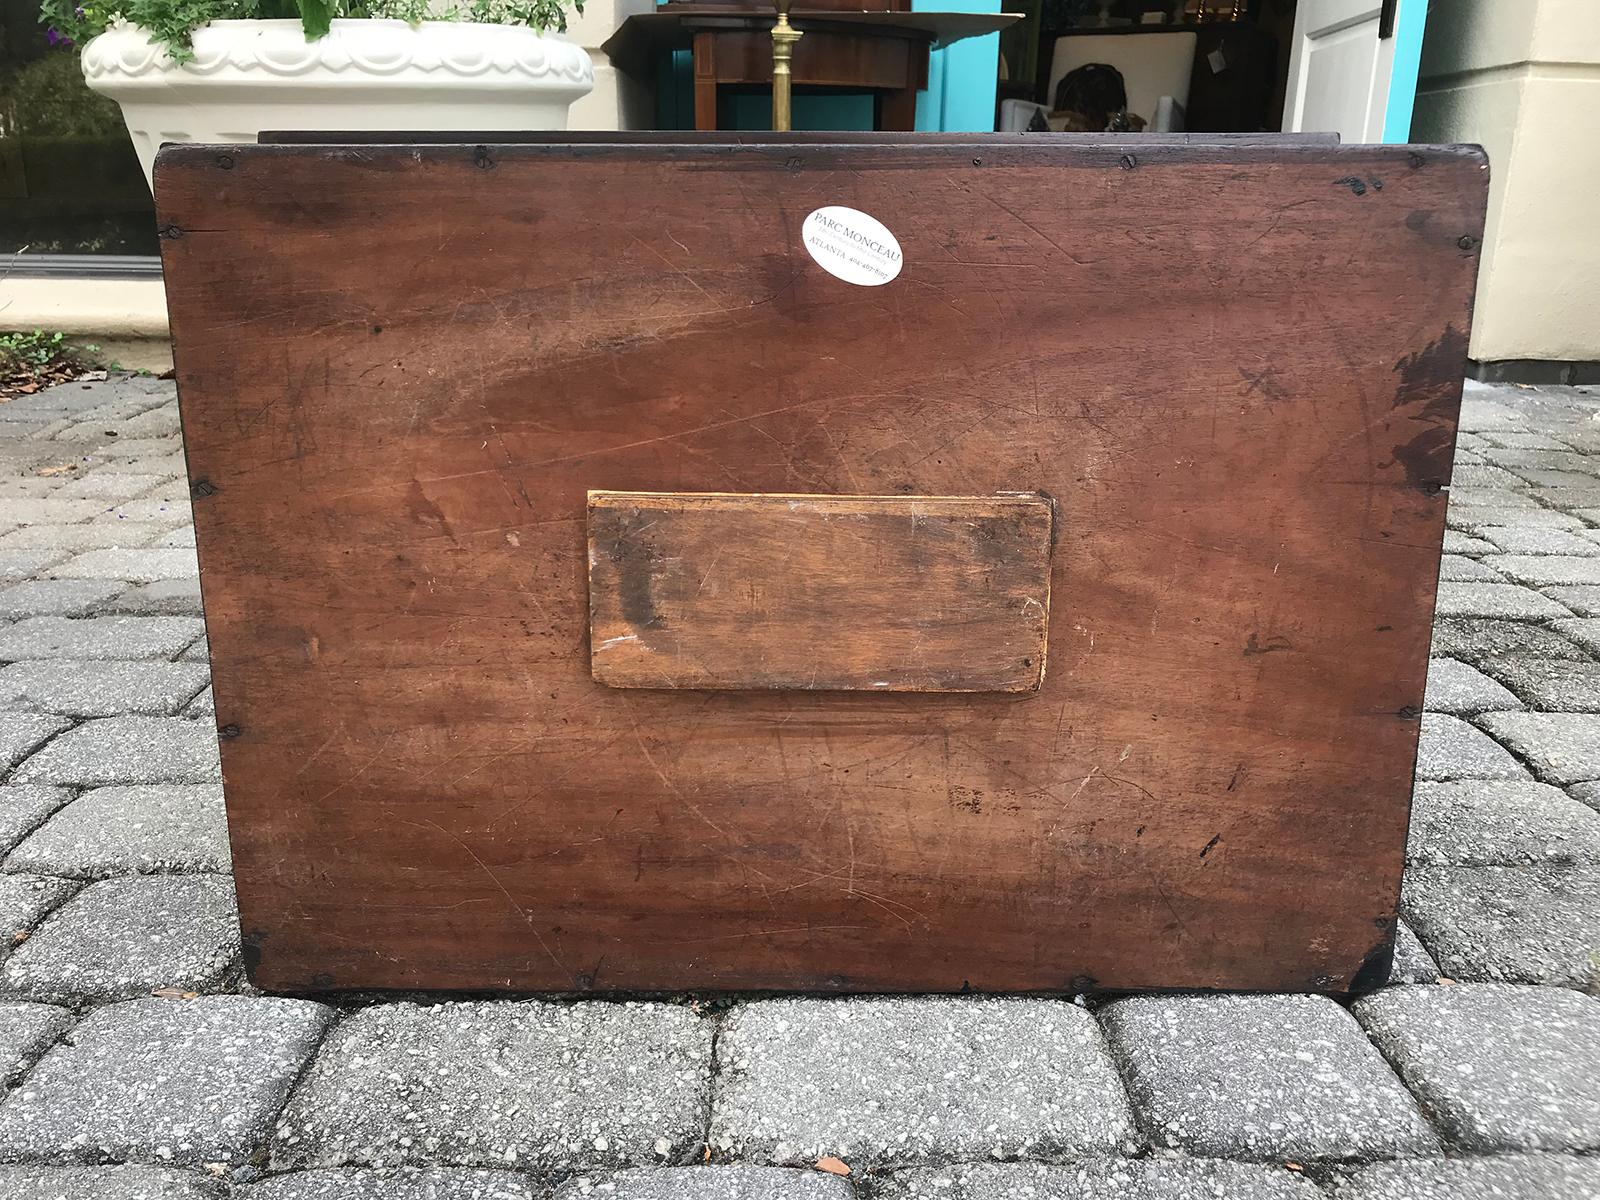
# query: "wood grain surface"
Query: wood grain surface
{"points": [[1236, 369], [819, 593]]}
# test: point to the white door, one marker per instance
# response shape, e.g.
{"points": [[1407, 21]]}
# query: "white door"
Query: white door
{"points": [[1341, 67]]}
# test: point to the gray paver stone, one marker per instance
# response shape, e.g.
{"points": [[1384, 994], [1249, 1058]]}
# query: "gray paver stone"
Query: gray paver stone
{"points": [[1167, 1178], [138, 830], [1499, 1067], [1456, 542], [1482, 409], [1461, 690], [1570, 496], [53, 597], [1585, 793], [26, 1032], [147, 566], [1464, 497], [1551, 684], [202, 706], [910, 1079], [73, 539], [157, 1080], [1472, 520], [394, 1183], [1548, 480], [199, 652], [1505, 1177], [1412, 963], [24, 901], [735, 1181], [1582, 598], [98, 637], [23, 487], [101, 688], [18, 457], [155, 422], [123, 449], [105, 1183], [23, 808], [87, 396], [167, 467], [175, 597], [1453, 568], [128, 936], [1541, 569], [1261, 1077], [1495, 823], [127, 750], [19, 564], [48, 511], [1477, 640], [1584, 631], [1497, 599], [108, 483], [1525, 924], [150, 510], [540, 1086], [22, 732], [1561, 747], [183, 537], [1552, 458], [1471, 476], [1449, 748], [1514, 539]]}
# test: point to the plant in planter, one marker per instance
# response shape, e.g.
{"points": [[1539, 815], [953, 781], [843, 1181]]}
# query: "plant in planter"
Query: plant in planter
{"points": [[224, 70]]}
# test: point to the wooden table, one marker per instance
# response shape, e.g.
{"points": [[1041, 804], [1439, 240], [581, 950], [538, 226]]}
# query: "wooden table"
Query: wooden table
{"points": [[885, 53], [605, 595]]}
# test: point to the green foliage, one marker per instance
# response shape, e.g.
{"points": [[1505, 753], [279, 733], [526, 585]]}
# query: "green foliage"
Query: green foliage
{"points": [[39, 349], [29, 361], [173, 22], [47, 98]]}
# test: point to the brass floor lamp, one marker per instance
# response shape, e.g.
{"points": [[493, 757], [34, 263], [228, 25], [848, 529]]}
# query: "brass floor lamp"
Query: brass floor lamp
{"points": [[784, 36]]}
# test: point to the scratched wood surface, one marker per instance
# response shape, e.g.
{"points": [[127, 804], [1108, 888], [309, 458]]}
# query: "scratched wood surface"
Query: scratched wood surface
{"points": [[819, 593], [1236, 369]]}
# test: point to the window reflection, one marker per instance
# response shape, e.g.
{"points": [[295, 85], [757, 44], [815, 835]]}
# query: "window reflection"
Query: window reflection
{"points": [[69, 180]]}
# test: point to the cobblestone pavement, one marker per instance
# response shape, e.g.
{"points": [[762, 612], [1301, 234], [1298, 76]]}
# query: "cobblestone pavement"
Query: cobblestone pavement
{"points": [[136, 1062]]}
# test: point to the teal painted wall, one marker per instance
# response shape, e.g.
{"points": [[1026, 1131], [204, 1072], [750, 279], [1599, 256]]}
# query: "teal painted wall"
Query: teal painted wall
{"points": [[819, 111], [961, 78], [1410, 18]]}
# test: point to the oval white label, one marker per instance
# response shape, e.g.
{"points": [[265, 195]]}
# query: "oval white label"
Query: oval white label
{"points": [[851, 245]]}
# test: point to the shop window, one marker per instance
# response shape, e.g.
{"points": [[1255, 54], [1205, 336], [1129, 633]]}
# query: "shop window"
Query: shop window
{"points": [[70, 182]]}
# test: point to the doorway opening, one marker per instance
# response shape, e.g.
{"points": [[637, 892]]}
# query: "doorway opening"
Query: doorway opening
{"points": [[1212, 66]]}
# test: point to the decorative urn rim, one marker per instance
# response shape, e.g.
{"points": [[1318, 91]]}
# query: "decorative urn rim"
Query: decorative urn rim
{"points": [[358, 47]]}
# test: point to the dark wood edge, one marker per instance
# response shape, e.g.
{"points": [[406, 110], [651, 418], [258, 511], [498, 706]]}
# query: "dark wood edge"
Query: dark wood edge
{"points": [[811, 23], [655, 137], [1021, 151]]}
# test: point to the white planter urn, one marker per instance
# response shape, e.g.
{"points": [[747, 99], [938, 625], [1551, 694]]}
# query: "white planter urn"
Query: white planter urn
{"points": [[247, 76]]}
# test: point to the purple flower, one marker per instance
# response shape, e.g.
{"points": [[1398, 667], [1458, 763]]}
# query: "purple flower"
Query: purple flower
{"points": [[56, 38]]}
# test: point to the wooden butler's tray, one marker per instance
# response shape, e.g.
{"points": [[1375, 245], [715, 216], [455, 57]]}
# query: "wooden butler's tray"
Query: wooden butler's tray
{"points": [[604, 596]]}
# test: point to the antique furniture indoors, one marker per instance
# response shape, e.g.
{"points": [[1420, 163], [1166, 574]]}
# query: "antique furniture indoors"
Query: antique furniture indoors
{"points": [[881, 48], [779, 563]]}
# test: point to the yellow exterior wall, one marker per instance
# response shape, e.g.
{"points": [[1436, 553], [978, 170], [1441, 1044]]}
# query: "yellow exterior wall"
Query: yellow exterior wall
{"points": [[1522, 77]]}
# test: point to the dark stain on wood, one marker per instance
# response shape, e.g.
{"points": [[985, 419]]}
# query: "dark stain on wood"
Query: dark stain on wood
{"points": [[1428, 455]]}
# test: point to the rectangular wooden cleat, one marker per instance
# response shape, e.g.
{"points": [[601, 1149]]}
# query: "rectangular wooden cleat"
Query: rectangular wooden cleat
{"points": [[819, 593]]}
